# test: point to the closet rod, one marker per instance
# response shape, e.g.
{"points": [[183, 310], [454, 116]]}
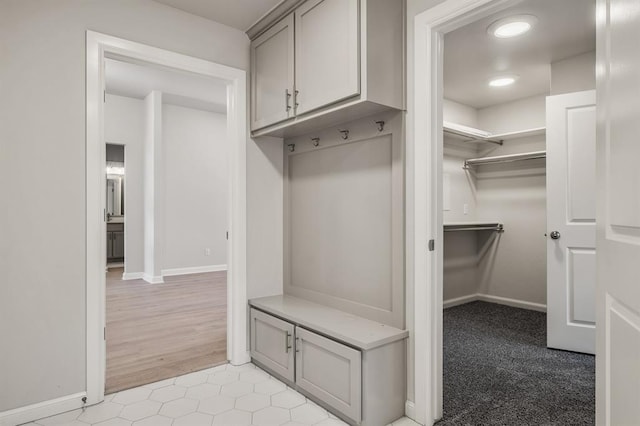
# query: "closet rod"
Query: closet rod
{"points": [[498, 227], [504, 158]]}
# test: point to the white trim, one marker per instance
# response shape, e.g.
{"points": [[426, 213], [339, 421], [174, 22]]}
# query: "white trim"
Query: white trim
{"points": [[409, 409], [516, 303], [99, 45], [512, 302], [450, 303], [193, 270], [151, 279], [424, 194], [41, 410], [132, 276]]}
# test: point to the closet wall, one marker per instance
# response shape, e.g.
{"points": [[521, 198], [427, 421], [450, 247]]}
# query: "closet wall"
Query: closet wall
{"points": [[512, 264]]}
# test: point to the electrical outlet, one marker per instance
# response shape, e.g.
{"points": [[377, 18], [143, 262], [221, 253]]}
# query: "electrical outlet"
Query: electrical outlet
{"points": [[465, 208], [207, 252]]}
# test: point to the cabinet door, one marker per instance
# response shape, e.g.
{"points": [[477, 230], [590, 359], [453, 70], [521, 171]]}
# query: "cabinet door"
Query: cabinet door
{"points": [[272, 75], [271, 343], [118, 244], [327, 53], [330, 371], [109, 245]]}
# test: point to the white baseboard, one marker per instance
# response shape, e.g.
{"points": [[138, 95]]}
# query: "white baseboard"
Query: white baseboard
{"points": [[132, 276], [494, 299], [459, 301], [152, 280], [193, 270], [42, 409], [410, 409], [513, 302]]}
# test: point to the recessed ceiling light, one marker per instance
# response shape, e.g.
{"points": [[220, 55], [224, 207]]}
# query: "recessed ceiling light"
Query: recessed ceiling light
{"points": [[504, 80], [512, 26]]}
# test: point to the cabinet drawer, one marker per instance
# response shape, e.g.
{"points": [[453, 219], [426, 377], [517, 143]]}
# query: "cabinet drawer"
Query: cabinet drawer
{"points": [[330, 371], [272, 343]]}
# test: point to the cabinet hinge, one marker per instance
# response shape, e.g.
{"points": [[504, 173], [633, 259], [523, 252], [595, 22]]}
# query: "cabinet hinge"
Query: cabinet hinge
{"points": [[432, 245], [104, 333], [227, 235]]}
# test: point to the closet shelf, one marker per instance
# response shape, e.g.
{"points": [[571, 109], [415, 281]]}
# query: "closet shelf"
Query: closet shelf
{"points": [[469, 134], [504, 158], [474, 226]]}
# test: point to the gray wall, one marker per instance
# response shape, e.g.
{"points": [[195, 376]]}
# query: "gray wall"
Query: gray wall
{"points": [[42, 105], [124, 124], [574, 74], [196, 187]]}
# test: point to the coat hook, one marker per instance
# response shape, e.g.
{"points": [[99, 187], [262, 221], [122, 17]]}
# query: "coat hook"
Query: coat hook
{"points": [[345, 134], [380, 124], [292, 147], [316, 141]]}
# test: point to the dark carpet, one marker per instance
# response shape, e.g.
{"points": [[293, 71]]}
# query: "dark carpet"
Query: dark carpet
{"points": [[498, 371]]}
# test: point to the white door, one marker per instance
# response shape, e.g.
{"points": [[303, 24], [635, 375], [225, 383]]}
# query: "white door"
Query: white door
{"points": [[272, 75], [327, 53], [618, 213], [571, 221]]}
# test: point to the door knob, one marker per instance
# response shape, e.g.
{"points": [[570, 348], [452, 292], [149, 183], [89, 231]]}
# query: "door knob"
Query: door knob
{"points": [[555, 235]]}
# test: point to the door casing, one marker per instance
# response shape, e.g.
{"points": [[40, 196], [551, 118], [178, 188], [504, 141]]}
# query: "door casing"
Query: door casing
{"points": [[98, 46], [424, 221]]}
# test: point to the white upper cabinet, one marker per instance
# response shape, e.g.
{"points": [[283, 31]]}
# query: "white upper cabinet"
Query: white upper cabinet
{"points": [[327, 54], [325, 61], [272, 75]]}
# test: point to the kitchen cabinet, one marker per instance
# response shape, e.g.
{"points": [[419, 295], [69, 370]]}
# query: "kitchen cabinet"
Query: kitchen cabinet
{"points": [[354, 367], [324, 62]]}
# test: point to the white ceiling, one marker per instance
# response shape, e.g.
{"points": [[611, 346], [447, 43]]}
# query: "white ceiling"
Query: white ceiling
{"points": [[179, 88], [565, 28], [240, 14]]}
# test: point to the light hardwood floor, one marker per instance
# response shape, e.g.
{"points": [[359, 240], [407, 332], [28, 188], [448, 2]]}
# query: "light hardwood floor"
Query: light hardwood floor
{"points": [[157, 331]]}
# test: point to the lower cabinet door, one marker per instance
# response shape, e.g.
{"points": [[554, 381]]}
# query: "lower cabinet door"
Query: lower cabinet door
{"points": [[330, 371], [272, 343]]}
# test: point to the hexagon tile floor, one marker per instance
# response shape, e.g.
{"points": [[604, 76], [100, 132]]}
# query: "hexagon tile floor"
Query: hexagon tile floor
{"points": [[224, 395]]}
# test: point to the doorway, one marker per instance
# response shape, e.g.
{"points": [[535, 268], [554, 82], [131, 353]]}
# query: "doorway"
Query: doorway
{"points": [[174, 126], [477, 223], [99, 48], [115, 193]]}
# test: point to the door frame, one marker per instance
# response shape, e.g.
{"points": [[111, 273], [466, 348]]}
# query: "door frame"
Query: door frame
{"points": [[97, 47], [424, 194]]}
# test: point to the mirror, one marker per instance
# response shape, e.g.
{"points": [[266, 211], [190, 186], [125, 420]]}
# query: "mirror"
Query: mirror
{"points": [[115, 181], [115, 195]]}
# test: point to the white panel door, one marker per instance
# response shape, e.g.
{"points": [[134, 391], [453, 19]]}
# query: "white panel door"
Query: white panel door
{"points": [[571, 221], [327, 53], [272, 68], [618, 213]]}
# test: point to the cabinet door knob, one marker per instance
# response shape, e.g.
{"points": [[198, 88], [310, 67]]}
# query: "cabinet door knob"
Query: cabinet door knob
{"points": [[287, 342], [555, 235]]}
